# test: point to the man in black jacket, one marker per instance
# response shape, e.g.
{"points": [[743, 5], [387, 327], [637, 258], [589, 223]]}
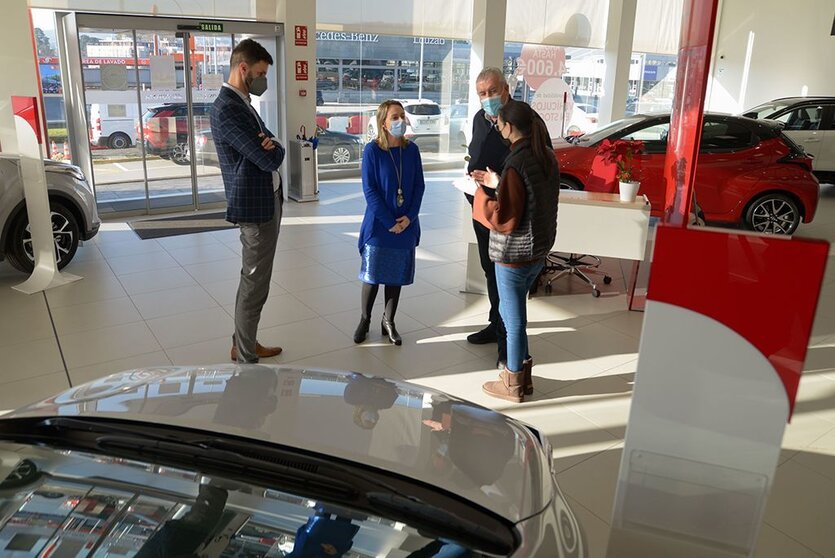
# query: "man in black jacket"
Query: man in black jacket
{"points": [[488, 149]]}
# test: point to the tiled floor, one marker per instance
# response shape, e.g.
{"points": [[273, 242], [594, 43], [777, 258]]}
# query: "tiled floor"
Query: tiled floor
{"points": [[150, 302]]}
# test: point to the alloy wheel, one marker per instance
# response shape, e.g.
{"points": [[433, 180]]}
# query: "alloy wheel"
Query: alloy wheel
{"points": [[341, 155], [774, 215], [62, 235]]}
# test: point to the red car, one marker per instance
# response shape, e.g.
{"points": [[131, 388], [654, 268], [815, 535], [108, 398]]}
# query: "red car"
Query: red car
{"points": [[749, 173]]}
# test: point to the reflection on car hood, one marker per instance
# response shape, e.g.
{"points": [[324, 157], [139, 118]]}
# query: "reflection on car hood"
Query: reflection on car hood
{"points": [[457, 446]]}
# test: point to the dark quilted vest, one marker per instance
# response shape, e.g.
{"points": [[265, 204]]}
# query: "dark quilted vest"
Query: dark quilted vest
{"points": [[534, 236]]}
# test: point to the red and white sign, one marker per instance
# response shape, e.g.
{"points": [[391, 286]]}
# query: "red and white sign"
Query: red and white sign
{"points": [[301, 70], [539, 63], [301, 35]]}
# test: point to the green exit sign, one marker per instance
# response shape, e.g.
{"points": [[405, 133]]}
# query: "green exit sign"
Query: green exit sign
{"points": [[211, 27]]}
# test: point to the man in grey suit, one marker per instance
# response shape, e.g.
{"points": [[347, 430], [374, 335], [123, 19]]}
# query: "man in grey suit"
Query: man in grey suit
{"points": [[249, 158]]}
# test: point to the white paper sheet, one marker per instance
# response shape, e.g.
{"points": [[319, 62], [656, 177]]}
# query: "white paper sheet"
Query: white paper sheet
{"points": [[466, 184]]}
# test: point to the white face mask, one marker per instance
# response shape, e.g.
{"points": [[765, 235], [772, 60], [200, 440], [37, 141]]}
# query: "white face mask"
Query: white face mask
{"points": [[397, 128]]}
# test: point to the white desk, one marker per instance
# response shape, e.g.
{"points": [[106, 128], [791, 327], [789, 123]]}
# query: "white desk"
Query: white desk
{"points": [[601, 225], [587, 223]]}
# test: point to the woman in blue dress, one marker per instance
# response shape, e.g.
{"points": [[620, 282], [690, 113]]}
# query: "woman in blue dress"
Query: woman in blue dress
{"points": [[392, 181]]}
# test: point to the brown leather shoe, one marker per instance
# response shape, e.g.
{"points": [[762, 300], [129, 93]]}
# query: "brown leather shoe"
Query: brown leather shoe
{"points": [[260, 350], [509, 386]]}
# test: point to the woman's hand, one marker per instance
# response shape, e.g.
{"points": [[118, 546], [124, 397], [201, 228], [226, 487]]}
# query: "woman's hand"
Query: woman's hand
{"points": [[491, 179], [400, 225]]}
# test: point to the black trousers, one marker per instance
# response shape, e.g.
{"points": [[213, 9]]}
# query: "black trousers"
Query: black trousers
{"points": [[482, 235]]}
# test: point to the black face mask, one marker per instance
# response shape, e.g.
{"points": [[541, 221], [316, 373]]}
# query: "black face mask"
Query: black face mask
{"points": [[256, 85]]}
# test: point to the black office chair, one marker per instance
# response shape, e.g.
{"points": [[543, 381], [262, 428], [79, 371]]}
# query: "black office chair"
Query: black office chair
{"points": [[558, 265]]}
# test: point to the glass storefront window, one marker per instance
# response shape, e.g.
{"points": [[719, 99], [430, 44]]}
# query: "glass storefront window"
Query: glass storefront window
{"points": [[565, 84], [355, 72]]}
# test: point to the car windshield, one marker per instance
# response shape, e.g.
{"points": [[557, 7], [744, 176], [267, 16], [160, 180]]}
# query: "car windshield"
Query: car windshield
{"points": [[119, 499], [423, 110], [766, 110], [602, 133]]}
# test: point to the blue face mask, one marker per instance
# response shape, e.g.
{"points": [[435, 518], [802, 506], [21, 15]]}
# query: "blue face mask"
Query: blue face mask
{"points": [[491, 105], [397, 128]]}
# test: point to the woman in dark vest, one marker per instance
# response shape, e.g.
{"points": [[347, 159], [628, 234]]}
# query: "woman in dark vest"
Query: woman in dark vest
{"points": [[522, 218]]}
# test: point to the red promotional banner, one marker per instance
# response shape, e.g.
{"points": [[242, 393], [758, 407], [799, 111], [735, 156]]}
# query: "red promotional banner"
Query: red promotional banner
{"points": [[27, 108], [697, 25], [301, 70]]}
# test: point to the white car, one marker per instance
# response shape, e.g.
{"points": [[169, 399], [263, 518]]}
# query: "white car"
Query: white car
{"points": [[810, 122], [256, 460], [424, 118], [113, 126]]}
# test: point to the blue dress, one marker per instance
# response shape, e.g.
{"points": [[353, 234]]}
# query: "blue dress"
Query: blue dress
{"points": [[388, 258]]}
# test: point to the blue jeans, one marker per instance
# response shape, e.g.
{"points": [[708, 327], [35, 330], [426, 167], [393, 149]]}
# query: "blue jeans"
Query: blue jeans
{"points": [[514, 284]]}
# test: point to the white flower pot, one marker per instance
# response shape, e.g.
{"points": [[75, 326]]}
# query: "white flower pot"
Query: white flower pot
{"points": [[629, 190]]}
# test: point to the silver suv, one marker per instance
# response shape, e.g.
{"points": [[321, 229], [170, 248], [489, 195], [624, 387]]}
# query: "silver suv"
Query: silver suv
{"points": [[74, 214]]}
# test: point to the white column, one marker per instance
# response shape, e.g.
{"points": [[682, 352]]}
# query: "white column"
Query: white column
{"points": [[19, 140], [487, 42], [487, 50], [620, 29], [19, 70]]}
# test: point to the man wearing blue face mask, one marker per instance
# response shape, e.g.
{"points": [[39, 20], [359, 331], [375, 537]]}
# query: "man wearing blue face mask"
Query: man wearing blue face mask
{"points": [[488, 149], [249, 158]]}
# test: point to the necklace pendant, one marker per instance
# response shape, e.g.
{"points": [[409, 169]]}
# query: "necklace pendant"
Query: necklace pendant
{"points": [[400, 200]]}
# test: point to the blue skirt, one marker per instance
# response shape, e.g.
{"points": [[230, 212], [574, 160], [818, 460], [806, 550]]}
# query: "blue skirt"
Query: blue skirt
{"points": [[387, 266]]}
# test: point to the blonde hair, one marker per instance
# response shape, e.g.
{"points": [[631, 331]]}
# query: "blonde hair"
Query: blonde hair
{"points": [[382, 112]]}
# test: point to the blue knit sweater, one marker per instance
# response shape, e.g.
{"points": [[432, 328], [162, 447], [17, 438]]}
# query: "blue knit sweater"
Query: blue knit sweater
{"points": [[379, 184]]}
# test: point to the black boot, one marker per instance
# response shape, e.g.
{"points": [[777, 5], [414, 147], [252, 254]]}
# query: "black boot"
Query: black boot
{"points": [[391, 332], [362, 330]]}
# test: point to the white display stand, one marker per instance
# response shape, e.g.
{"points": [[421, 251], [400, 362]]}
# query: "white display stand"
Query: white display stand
{"points": [[46, 274], [587, 223], [304, 181]]}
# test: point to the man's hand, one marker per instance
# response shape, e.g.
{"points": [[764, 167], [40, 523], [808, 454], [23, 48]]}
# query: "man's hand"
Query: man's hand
{"points": [[478, 176], [267, 143]]}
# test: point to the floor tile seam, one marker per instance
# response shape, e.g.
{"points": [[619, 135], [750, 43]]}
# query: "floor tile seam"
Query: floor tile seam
{"points": [[160, 350], [794, 540], [33, 376], [369, 353], [57, 339], [231, 313], [167, 315], [576, 502], [225, 338], [614, 445], [287, 289]]}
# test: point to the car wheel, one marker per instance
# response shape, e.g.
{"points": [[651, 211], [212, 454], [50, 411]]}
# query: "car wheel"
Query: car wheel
{"points": [[567, 183], [25, 473], [371, 134], [118, 140], [180, 154], [65, 233], [341, 154], [773, 214]]}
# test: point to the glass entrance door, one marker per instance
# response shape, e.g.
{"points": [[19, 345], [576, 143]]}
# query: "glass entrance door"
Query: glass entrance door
{"points": [[148, 87]]}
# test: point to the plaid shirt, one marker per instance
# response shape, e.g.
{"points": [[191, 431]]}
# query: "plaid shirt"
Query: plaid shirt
{"points": [[247, 168]]}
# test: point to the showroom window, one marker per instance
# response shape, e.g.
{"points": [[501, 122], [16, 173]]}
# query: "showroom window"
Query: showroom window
{"points": [[355, 72]]}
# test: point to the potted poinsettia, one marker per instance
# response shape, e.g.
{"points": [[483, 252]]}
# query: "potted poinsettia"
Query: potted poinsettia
{"points": [[622, 154]]}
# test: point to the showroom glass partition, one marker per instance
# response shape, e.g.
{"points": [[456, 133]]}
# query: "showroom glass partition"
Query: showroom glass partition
{"points": [[147, 84]]}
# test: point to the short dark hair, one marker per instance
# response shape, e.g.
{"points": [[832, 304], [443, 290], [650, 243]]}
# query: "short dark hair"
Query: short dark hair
{"points": [[251, 52]]}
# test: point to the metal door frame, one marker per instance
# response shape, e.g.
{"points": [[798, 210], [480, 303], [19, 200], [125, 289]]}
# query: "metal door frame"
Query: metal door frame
{"points": [[67, 26]]}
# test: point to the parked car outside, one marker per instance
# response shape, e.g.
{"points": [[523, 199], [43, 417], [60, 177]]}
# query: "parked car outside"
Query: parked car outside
{"points": [[749, 173], [460, 127], [165, 129], [113, 125], [334, 148], [259, 460], [810, 122], [73, 207]]}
